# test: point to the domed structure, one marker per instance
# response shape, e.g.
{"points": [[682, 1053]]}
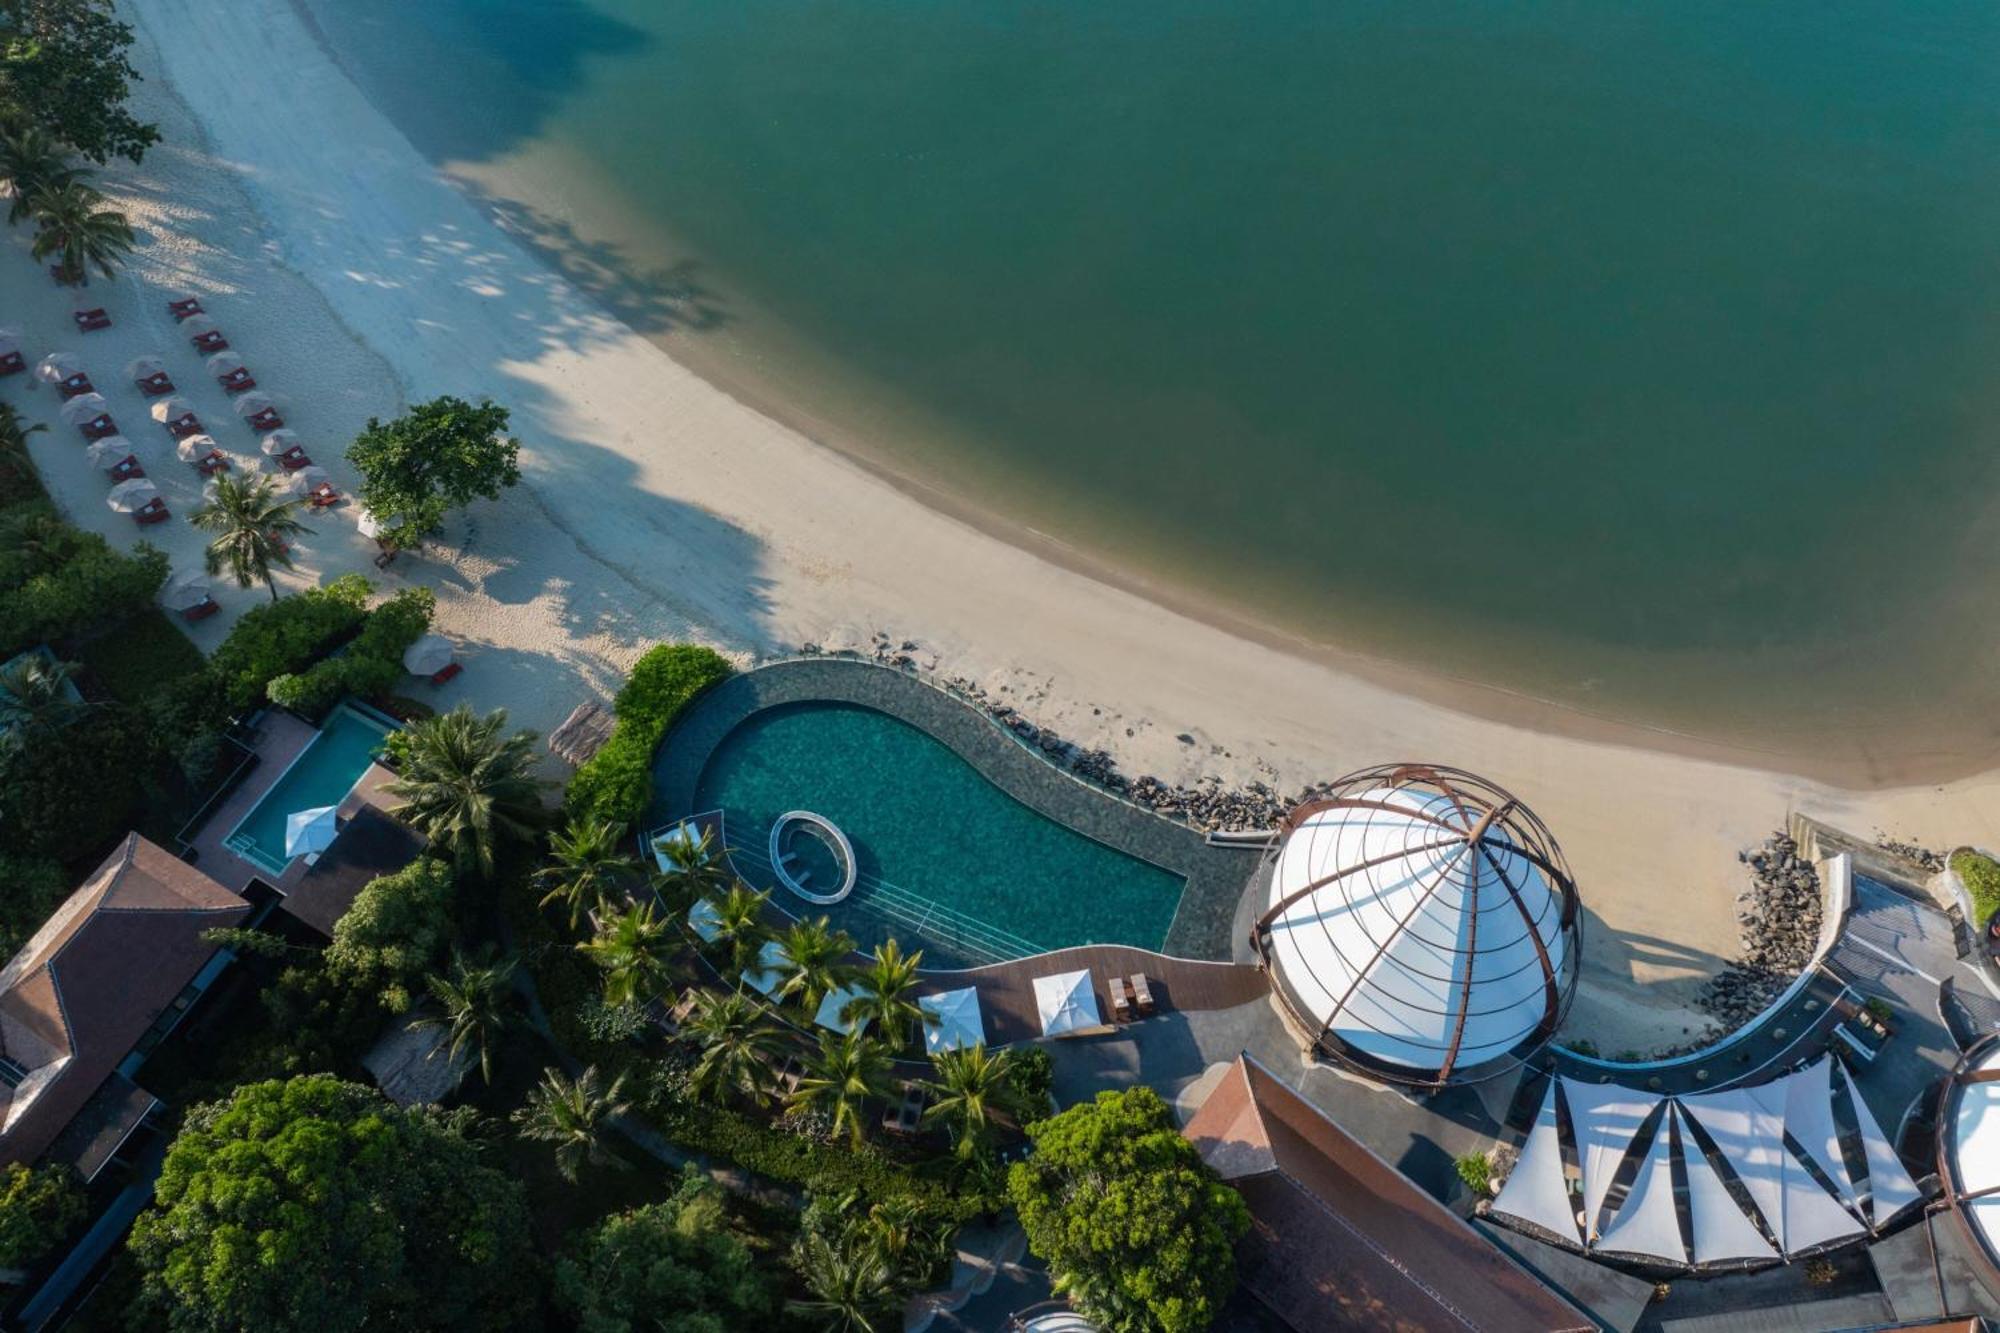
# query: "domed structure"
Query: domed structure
{"points": [[1422, 925]]}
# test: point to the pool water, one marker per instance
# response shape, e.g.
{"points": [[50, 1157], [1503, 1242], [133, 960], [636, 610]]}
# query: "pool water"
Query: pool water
{"points": [[322, 774], [947, 861]]}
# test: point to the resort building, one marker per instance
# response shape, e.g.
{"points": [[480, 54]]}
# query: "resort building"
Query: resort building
{"points": [[1339, 1239], [101, 984], [1422, 926]]}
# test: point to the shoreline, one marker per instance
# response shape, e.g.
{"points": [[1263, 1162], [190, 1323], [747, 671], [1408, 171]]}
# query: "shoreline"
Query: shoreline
{"points": [[656, 506]]}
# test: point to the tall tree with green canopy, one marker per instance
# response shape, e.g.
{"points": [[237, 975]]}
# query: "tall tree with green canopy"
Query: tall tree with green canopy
{"points": [[63, 69], [851, 1285], [397, 929], [39, 1206], [887, 983], [73, 227], [31, 161], [311, 1205], [972, 1083], [252, 528], [840, 1076], [475, 1006], [738, 1044], [433, 459], [672, 1267], [694, 869], [816, 961], [1137, 1232], [466, 785], [740, 931], [635, 948]]}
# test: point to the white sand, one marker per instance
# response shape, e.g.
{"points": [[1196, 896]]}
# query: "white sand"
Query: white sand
{"points": [[353, 278]]}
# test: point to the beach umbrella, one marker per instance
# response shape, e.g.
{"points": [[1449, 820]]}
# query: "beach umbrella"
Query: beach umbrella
{"points": [[129, 497], [185, 591], [194, 325], [171, 408], [309, 479], [952, 1020], [310, 832], [704, 920], [250, 404], [109, 452], [84, 407], [194, 448], [428, 655], [58, 366], [224, 363], [769, 972], [370, 525], [1066, 1003], [828, 1014], [145, 367], [279, 441]]}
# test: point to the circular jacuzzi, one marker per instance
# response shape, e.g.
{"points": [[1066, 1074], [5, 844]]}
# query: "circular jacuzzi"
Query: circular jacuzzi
{"points": [[803, 845]]}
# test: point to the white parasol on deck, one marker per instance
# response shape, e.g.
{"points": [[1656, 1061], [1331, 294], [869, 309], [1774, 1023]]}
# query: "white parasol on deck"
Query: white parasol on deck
{"points": [[185, 591], [129, 497], [310, 832], [428, 655], [84, 407]]}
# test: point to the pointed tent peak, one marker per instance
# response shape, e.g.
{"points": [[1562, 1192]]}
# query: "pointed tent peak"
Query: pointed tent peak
{"points": [[1067, 1003], [1890, 1189], [1604, 1120], [1809, 1121], [1723, 1233], [1648, 1222], [1537, 1192]]}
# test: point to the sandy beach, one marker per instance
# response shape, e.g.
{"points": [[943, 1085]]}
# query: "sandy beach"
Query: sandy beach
{"points": [[353, 279]]}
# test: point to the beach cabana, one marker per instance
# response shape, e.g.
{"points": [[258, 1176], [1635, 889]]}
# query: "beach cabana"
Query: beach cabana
{"points": [[951, 1020], [109, 452], [177, 414], [91, 415], [202, 332], [281, 441], [140, 498], [202, 451], [188, 594], [65, 371], [704, 920], [773, 963], [1067, 1004], [310, 832], [150, 374], [306, 480], [230, 372], [829, 1011], [260, 410]]}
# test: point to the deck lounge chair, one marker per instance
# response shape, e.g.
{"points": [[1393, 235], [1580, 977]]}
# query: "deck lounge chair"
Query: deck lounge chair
{"points": [[92, 319], [99, 427], [293, 459], [180, 309], [323, 495], [154, 512], [1121, 1001], [237, 380], [11, 363], [155, 384], [76, 386], [1142, 995], [201, 331], [449, 674], [268, 419], [212, 463], [127, 469], [201, 610]]}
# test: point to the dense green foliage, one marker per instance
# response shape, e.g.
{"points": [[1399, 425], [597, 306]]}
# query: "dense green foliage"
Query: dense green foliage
{"points": [[616, 784], [397, 931], [63, 68], [318, 1206], [38, 1208], [1137, 1232], [672, 1267], [75, 228], [466, 784], [286, 636], [434, 458], [31, 887], [57, 581], [70, 793], [139, 656], [370, 666], [1980, 874], [1476, 1171]]}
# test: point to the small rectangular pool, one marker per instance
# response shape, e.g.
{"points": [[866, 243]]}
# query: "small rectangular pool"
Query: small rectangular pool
{"points": [[321, 774]]}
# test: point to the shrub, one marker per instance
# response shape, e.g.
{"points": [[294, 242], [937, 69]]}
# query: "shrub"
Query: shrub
{"points": [[1476, 1172], [138, 658], [75, 789], [31, 888], [396, 931], [616, 784], [1980, 874], [286, 636], [38, 1208], [93, 586], [373, 662]]}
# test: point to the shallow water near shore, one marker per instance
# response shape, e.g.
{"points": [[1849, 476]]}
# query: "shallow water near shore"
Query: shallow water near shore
{"points": [[1638, 357]]}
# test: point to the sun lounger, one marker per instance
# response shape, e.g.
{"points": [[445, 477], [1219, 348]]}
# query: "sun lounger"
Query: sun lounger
{"points": [[450, 673], [268, 419], [91, 320], [76, 386], [154, 512], [236, 381], [99, 427], [1142, 995], [323, 496], [12, 364], [215, 462], [1121, 1003], [184, 425], [126, 470], [907, 1116], [184, 307], [293, 459], [201, 610], [209, 341]]}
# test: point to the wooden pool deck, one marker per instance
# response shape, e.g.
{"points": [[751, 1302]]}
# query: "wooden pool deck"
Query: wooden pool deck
{"points": [[1007, 990]]}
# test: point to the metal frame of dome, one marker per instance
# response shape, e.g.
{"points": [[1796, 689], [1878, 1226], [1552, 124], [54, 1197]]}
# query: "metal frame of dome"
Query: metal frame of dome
{"points": [[1979, 1064], [1489, 819]]}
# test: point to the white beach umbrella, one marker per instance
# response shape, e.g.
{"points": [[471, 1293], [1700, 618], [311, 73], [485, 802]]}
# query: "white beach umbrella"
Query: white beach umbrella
{"points": [[109, 452], [171, 408], [309, 479], [1067, 1003], [185, 591], [58, 366], [310, 832], [194, 448], [279, 441], [129, 497], [84, 407], [952, 1020], [224, 363], [144, 368], [369, 525], [250, 404], [197, 324], [428, 655]]}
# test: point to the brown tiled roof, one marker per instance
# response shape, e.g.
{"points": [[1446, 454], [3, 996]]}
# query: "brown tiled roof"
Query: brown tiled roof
{"points": [[1341, 1240], [81, 993]]}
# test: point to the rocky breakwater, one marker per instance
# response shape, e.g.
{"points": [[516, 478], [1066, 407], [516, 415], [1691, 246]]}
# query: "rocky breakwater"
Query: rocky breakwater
{"points": [[1780, 920]]}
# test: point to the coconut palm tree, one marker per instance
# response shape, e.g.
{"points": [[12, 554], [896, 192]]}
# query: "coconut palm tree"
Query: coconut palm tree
{"points": [[898, 1230], [14, 435], [816, 957], [587, 861], [31, 162], [253, 529], [737, 1043], [72, 223], [740, 932], [886, 982], [36, 696], [972, 1082], [572, 1114], [694, 870], [852, 1287], [841, 1076], [635, 948], [468, 787], [477, 1000]]}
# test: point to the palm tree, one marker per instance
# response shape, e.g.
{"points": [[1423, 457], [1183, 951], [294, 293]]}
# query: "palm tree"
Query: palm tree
{"points": [[571, 1114], [853, 1287], [36, 697], [885, 983], [478, 1001], [634, 948], [71, 222], [816, 955], [466, 786], [737, 1043], [841, 1076], [31, 162], [693, 871], [14, 435], [588, 862], [972, 1083], [897, 1229], [740, 932], [253, 527]]}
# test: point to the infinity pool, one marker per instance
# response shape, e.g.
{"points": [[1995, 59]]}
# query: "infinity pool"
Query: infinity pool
{"points": [[947, 861], [322, 774]]}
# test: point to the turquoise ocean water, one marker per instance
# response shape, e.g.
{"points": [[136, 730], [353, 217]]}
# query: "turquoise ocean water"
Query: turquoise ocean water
{"points": [[1637, 356]]}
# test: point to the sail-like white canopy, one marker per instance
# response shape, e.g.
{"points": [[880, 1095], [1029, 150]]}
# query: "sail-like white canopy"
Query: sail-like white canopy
{"points": [[1066, 1003], [1647, 1222], [1603, 1118], [1537, 1190], [1722, 1233], [1890, 1189], [952, 1020], [1974, 1146]]}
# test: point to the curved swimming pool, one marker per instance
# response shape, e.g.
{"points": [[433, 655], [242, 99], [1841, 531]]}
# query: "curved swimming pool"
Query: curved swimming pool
{"points": [[947, 861]]}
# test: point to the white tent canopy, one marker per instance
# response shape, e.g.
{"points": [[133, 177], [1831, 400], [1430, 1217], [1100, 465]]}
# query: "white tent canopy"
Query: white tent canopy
{"points": [[952, 1020], [1537, 1191], [1604, 1118], [1890, 1189], [1647, 1222], [769, 974], [310, 832], [1722, 1233], [1067, 1003]]}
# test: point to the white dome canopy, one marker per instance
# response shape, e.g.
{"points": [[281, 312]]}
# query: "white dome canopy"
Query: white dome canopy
{"points": [[1422, 923]]}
